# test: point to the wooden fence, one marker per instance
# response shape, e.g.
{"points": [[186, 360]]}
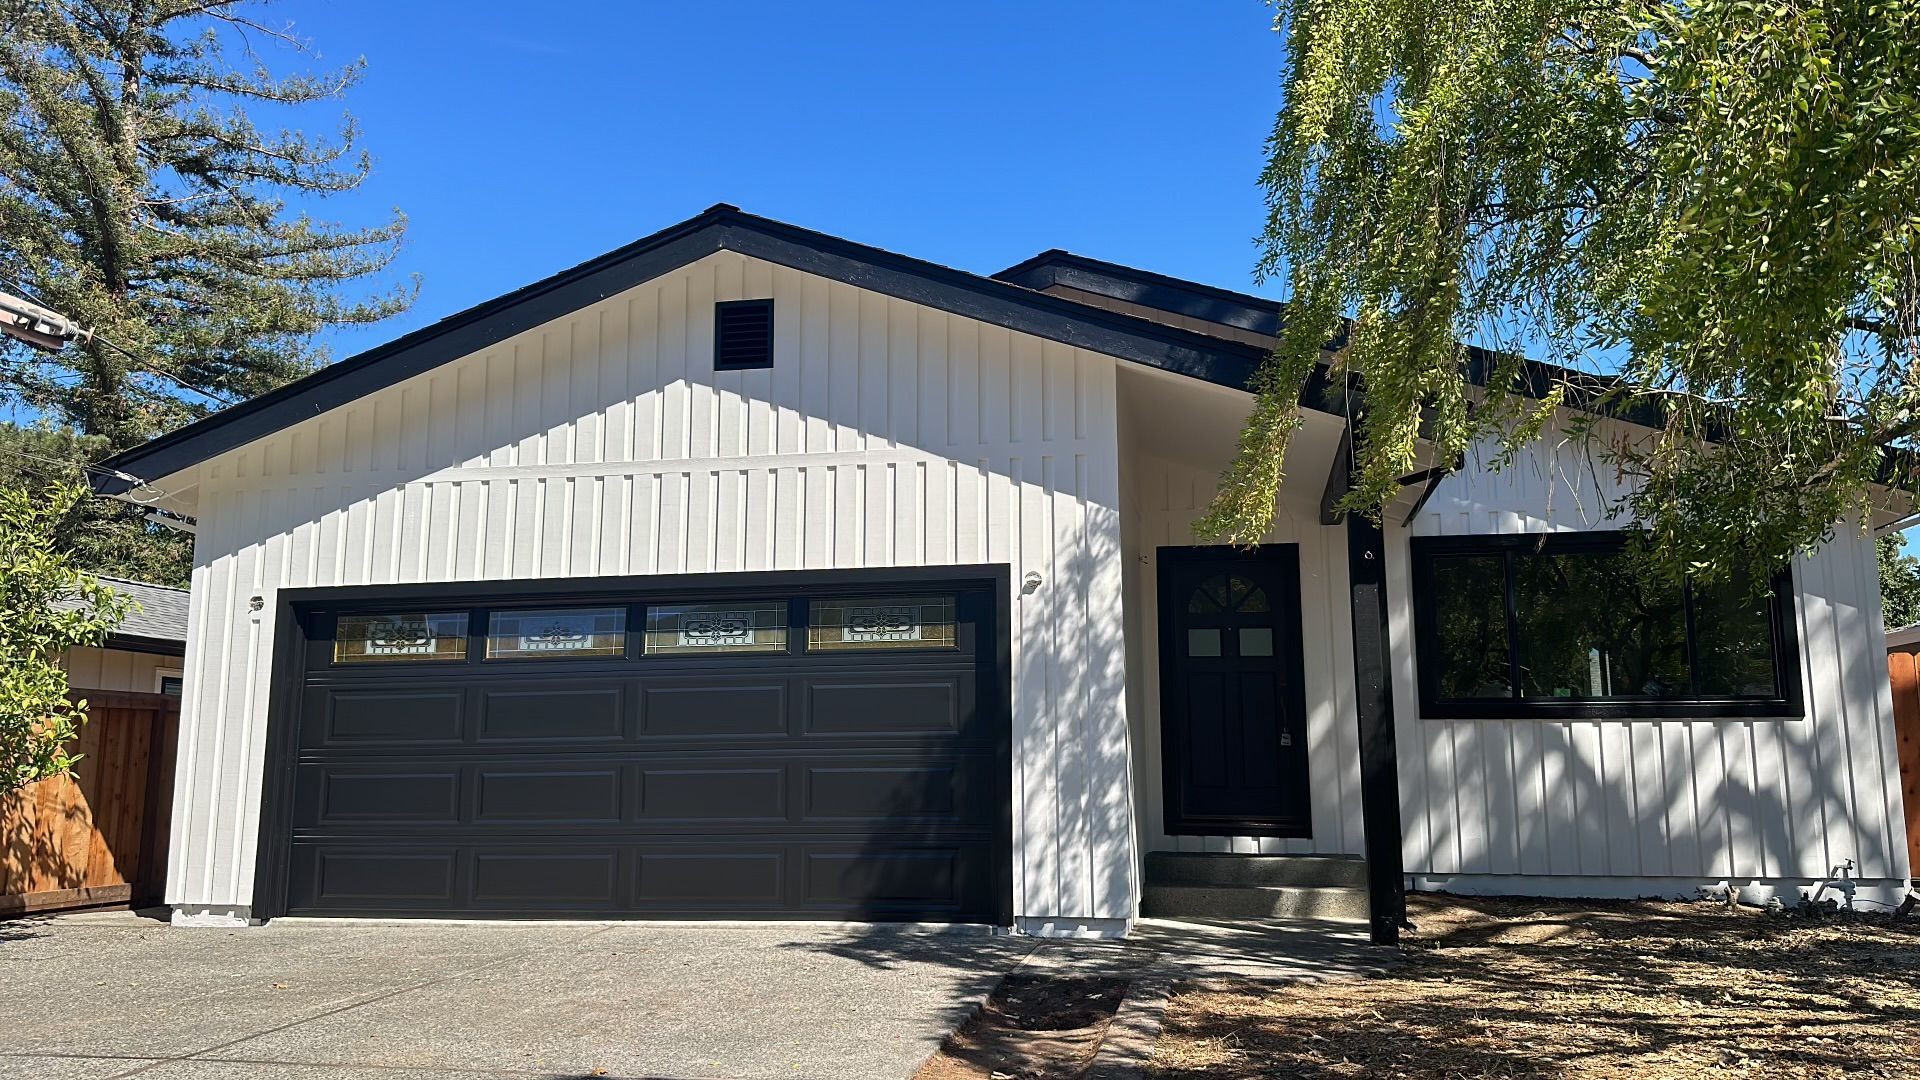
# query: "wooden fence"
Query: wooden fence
{"points": [[100, 835], [1903, 670]]}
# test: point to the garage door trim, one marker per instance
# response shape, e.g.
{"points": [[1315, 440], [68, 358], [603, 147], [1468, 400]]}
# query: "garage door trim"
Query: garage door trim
{"points": [[289, 674]]}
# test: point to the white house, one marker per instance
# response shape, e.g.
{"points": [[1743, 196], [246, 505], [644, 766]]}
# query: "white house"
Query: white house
{"points": [[751, 572]]}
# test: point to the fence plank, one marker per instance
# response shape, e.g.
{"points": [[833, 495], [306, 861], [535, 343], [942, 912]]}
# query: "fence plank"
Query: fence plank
{"points": [[1903, 670], [97, 836]]}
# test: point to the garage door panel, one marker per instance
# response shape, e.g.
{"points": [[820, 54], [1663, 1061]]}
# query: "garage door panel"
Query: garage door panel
{"points": [[725, 880], [877, 877], [385, 877], [713, 793], [840, 706], [383, 716], [345, 794], [877, 791], [713, 707], [524, 795], [573, 879], [550, 714]]}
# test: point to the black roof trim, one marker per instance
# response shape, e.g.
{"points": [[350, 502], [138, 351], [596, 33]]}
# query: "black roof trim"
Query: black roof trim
{"points": [[721, 227], [140, 644], [1135, 286], [1584, 391]]}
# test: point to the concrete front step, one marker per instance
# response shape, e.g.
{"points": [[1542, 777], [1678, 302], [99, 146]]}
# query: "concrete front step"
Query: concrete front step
{"points": [[1222, 869], [1253, 902]]}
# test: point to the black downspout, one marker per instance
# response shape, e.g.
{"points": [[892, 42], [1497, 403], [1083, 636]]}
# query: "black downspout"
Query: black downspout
{"points": [[1373, 703]]}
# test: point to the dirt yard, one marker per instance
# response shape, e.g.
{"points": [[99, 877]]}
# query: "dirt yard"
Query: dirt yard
{"points": [[1532, 988], [1034, 1027]]}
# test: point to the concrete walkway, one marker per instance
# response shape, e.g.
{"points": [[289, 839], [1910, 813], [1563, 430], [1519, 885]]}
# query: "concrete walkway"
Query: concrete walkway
{"points": [[1273, 950], [88, 997]]}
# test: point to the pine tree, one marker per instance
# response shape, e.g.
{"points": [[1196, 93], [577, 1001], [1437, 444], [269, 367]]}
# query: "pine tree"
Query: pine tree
{"points": [[103, 536], [138, 198]]}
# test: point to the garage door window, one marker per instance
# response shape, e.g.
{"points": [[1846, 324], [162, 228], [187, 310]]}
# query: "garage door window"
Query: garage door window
{"points": [[400, 636], [557, 633], [717, 628], [918, 622]]}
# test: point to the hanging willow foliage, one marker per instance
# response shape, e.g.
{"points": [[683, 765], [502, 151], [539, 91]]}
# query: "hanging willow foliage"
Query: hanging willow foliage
{"points": [[1714, 204]]}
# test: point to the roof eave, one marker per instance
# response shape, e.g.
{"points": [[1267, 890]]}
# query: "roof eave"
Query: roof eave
{"points": [[721, 227]]}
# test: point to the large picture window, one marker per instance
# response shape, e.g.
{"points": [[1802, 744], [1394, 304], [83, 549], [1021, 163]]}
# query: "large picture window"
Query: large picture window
{"points": [[1581, 625]]}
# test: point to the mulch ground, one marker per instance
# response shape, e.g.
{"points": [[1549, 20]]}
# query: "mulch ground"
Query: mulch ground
{"points": [[1536, 988], [1033, 1027]]}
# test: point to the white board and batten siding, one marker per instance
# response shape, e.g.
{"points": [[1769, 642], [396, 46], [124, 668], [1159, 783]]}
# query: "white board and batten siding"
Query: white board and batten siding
{"points": [[604, 443], [1164, 499], [1651, 807]]}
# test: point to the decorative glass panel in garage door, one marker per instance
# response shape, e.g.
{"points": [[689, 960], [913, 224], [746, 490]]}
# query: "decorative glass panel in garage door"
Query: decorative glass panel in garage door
{"points": [[903, 623], [557, 633], [708, 628], [362, 639]]}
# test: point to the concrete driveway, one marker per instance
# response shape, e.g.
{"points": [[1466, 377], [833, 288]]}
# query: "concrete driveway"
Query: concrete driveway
{"points": [[86, 997]]}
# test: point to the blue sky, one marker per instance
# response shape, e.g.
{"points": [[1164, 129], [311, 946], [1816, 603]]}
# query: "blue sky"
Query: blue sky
{"points": [[522, 139]]}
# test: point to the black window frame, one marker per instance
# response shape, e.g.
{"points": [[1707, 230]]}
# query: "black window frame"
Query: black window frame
{"points": [[1788, 701], [720, 310]]}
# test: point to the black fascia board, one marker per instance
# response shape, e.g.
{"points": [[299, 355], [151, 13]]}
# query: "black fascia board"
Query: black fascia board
{"points": [[722, 227], [143, 644], [1144, 287]]}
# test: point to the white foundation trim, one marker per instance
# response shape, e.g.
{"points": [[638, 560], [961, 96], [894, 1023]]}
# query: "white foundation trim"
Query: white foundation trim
{"points": [[213, 916], [1064, 926]]}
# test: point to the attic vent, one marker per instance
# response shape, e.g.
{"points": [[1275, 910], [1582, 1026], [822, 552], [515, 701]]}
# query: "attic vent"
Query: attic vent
{"points": [[742, 334]]}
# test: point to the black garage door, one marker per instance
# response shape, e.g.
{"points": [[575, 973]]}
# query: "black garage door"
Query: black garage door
{"points": [[789, 748]]}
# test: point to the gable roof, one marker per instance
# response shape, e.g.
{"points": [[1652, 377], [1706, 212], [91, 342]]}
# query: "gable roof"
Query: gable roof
{"points": [[720, 228], [160, 620]]}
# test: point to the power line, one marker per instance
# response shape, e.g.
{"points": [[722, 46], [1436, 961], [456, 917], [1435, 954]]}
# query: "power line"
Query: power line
{"points": [[67, 464], [138, 483], [126, 352]]}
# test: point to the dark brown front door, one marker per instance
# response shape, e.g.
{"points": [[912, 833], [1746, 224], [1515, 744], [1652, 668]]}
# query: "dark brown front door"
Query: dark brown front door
{"points": [[1233, 713]]}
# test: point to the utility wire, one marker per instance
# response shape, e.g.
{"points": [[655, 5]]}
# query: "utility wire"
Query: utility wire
{"points": [[67, 464], [138, 484], [124, 351]]}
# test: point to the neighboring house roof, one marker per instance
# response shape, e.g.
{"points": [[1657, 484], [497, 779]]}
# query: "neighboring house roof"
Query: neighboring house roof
{"points": [[1902, 636], [160, 622], [721, 228]]}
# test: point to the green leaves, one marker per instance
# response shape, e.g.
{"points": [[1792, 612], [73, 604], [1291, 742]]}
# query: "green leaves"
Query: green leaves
{"points": [[47, 606], [1899, 584], [1721, 198]]}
